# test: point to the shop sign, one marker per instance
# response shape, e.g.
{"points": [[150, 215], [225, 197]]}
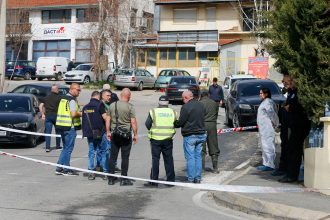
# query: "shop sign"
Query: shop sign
{"points": [[258, 66], [57, 31]]}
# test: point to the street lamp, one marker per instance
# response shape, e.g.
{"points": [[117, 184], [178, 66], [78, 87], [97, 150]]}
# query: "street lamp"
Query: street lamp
{"points": [[2, 44]]}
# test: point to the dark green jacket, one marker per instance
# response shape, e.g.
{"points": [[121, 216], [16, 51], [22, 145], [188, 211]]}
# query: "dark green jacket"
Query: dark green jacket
{"points": [[212, 109]]}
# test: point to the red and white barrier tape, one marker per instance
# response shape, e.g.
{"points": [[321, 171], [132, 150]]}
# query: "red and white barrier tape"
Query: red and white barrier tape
{"points": [[209, 187], [229, 130]]}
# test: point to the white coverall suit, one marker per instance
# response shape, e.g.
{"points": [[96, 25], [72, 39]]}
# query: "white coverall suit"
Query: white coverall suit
{"points": [[267, 120]]}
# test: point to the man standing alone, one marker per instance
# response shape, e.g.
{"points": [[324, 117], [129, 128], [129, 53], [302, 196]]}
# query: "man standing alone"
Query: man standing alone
{"points": [[67, 122], [121, 120], [161, 131], [211, 115], [193, 131], [48, 107], [216, 92]]}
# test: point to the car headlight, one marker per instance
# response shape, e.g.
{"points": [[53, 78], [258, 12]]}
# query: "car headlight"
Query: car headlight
{"points": [[22, 125], [80, 74], [244, 106]]}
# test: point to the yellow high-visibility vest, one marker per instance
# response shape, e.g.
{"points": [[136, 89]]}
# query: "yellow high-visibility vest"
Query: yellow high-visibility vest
{"points": [[64, 119], [162, 123]]}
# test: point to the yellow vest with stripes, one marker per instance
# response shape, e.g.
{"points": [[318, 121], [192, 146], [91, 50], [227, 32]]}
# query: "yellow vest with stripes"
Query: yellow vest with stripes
{"points": [[162, 123], [64, 119]]}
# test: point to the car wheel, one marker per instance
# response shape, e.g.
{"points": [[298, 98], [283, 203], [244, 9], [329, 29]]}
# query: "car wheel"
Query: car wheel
{"points": [[27, 76], [236, 122], [227, 119], [58, 76], [33, 78], [86, 80], [39, 78], [140, 86], [110, 79], [33, 140]]}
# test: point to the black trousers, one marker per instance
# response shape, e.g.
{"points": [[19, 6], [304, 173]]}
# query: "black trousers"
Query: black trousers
{"points": [[211, 140], [283, 166], [164, 147], [296, 149], [125, 146]]}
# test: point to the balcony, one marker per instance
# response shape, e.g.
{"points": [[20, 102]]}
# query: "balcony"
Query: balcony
{"points": [[18, 29]]}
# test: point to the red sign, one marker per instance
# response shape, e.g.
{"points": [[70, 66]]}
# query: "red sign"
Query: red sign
{"points": [[258, 66]]}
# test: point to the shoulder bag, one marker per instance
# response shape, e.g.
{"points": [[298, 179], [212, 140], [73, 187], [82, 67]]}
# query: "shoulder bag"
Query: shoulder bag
{"points": [[97, 134], [119, 132]]}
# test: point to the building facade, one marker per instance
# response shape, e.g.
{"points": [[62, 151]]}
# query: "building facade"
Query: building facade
{"points": [[61, 28], [207, 38]]}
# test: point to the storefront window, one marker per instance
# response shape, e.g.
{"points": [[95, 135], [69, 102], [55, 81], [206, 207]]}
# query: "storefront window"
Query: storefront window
{"points": [[171, 57], [151, 57], [163, 58], [56, 48], [83, 50]]}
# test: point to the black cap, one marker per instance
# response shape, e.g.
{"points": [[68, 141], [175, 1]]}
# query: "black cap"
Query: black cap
{"points": [[163, 98]]}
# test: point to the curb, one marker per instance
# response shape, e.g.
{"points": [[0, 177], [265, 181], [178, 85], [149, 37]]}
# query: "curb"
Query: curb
{"points": [[263, 208]]}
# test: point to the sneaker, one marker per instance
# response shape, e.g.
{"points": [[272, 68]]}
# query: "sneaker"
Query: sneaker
{"points": [[112, 180], [126, 182], [104, 177], [47, 150], [58, 148], [91, 176], [59, 172], [264, 168], [70, 173], [151, 185], [197, 181]]}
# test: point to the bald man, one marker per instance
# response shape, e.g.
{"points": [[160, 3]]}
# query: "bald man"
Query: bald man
{"points": [[193, 131], [48, 108], [120, 123]]}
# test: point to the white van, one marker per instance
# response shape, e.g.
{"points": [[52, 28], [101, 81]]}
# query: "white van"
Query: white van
{"points": [[51, 67]]}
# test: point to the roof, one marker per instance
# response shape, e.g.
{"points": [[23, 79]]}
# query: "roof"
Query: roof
{"points": [[164, 2], [45, 85], [47, 3], [17, 95], [253, 81], [240, 76]]}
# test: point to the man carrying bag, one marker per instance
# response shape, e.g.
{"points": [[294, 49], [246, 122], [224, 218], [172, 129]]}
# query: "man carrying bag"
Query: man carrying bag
{"points": [[93, 127], [120, 123]]}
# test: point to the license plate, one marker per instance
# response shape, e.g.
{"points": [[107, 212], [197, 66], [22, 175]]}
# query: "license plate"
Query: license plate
{"points": [[183, 90], [3, 133], [41, 72], [10, 69]]}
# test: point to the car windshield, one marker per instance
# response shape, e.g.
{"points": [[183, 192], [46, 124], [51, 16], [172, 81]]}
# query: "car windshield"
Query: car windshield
{"points": [[183, 80], [15, 104], [250, 89], [83, 67], [125, 72], [234, 80]]}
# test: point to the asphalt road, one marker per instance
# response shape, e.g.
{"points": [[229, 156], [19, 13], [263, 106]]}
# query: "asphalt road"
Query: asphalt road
{"points": [[30, 190]]}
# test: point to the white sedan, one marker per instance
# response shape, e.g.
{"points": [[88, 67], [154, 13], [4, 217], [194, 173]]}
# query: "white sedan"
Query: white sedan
{"points": [[84, 73]]}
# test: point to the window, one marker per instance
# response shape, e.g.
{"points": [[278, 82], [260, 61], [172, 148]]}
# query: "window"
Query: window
{"points": [[141, 57], [187, 15], [187, 57], [151, 61], [163, 58], [56, 16], [147, 20], [52, 48], [83, 51], [204, 58], [87, 15], [133, 18], [248, 19]]}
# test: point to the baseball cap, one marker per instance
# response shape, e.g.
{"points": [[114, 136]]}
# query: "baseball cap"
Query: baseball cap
{"points": [[163, 100]]}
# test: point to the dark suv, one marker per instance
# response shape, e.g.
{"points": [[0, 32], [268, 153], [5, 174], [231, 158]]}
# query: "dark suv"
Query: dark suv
{"points": [[243, 101], [179, 84], [23, 68]]}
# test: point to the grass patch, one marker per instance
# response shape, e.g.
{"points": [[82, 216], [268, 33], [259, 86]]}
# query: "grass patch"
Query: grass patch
{"points": [[98, 85]]}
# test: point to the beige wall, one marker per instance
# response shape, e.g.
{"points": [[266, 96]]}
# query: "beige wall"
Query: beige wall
{"points": [[227, 17]]}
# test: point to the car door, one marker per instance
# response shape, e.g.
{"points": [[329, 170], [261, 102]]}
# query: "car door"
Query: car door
{"points": [[226, 87], [149, 78], [231, 100], [40, 123]]}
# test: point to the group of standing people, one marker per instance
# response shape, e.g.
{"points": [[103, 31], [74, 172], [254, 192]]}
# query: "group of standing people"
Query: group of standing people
{"points": [[294, 126]]}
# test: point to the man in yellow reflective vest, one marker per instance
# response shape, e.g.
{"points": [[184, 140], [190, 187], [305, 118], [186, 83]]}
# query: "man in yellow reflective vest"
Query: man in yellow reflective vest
{"points": [[67, 122], [160, 123]]}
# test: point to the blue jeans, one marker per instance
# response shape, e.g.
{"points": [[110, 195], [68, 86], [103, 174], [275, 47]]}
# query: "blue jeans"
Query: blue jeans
{"points": [[94, 146], [193, 145], [103, 154], [68, 138], [50, 121]]}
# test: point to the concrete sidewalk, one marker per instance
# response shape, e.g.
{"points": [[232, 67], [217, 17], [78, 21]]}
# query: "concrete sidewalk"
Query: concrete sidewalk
{"points": [[305, 205]]}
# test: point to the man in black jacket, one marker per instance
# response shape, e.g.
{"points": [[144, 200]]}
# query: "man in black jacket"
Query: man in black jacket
{"points": [[193, 131]]}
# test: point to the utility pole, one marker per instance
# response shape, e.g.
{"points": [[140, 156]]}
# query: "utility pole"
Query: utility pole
{"points": [[2, 44]]}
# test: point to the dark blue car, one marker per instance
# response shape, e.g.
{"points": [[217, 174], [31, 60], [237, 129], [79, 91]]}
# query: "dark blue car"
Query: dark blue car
{"points": [[23, 69]]}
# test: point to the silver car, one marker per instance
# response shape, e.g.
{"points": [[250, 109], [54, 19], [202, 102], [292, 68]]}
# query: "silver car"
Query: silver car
{"points": [[134, 78]]}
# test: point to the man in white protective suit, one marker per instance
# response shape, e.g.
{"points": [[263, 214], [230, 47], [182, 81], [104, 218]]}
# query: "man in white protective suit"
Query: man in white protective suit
{"points": [[267, 120]]}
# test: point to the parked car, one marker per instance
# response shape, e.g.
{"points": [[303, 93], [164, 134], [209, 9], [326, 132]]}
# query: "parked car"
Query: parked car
{"points": [[23, 69], [165, 76], [20, 111], [229, 81], [84, 73], [40, 90], [179, 84], [52, 67], [243, 101], [134, 78]]}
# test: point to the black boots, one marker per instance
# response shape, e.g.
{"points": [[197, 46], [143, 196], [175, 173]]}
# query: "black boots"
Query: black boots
{"points": [[215, 164]]}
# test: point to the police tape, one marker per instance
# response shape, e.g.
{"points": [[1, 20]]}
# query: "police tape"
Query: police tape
{"points": [[219, 131], [230, 130], [206, 187]]}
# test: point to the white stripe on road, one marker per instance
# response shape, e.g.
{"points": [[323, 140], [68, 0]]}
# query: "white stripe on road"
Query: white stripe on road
{"points": [[242, 164]]}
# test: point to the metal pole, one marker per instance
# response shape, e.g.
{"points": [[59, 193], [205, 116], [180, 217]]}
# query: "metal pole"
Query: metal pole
{"points": [[2, 44]]}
